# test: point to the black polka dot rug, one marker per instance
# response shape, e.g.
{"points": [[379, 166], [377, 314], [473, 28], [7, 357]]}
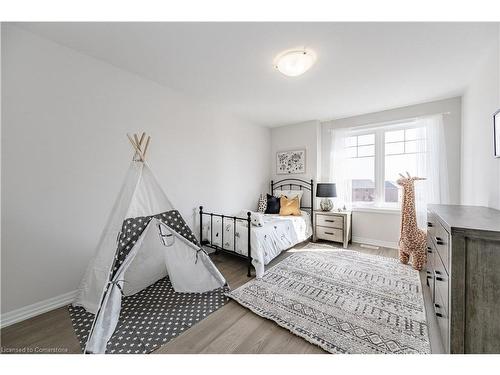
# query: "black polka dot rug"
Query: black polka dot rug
{"points": [[152, 317]]}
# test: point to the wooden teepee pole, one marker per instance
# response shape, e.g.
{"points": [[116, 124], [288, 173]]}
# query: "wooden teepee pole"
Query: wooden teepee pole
{"points": [[137, 144], [142, 138], [136, 148], [146, 147]]}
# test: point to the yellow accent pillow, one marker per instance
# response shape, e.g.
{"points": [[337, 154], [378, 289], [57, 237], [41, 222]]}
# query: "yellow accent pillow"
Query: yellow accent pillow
{"points": [[289, 207]]}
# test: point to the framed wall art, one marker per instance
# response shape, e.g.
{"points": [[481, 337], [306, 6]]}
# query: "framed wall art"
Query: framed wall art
{"points": [[291, 162]]}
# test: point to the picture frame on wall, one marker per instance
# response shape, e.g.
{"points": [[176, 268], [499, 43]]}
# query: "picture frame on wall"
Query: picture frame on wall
{"points": [[496, 133], [291, 162]]}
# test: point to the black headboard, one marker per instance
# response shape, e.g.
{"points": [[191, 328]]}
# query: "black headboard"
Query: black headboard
{"points": [[296, 184]]}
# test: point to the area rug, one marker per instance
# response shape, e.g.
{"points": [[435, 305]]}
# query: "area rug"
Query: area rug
{"points": [[343, 301], [151, 318]]}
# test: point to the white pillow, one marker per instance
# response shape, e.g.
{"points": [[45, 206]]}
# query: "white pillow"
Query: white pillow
{"points": [[290, 194]]}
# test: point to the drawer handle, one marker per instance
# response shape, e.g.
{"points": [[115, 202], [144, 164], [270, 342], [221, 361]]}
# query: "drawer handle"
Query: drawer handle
{"points": [[429, 250], [330, 221], [428, 272], [439, 315], [437, 272], [439, 241], [439, 279], [330, 233], [429, 224], [429, 276], [437, 305]]}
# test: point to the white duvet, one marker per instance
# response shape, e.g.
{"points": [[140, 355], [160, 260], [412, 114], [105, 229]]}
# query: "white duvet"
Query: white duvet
{"points": [[276, 235]]}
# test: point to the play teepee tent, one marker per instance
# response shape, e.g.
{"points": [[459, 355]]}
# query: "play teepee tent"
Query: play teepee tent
{"points": [[144, 240]]}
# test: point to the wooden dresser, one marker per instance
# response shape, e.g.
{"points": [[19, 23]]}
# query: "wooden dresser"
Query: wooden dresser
{"points": [[463, 274], [333, 226]]}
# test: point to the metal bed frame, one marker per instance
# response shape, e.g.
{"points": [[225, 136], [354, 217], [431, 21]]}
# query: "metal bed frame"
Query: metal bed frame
{"points": [[285, 184]]}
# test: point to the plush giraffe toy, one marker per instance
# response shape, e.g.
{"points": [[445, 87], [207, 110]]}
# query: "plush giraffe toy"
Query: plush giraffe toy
{"points": [[413, 239]]}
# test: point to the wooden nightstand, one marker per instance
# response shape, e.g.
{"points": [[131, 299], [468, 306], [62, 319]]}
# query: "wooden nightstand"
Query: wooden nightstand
{"points": [[333, 226]]}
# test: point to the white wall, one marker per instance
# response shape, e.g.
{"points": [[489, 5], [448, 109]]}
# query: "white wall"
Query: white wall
{"points": [[382, 227], [480, 170], [376, 227], [64, 155], [306, 135]]}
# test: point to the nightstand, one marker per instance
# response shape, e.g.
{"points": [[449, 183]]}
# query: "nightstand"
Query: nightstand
{"points": [[333, 226]]}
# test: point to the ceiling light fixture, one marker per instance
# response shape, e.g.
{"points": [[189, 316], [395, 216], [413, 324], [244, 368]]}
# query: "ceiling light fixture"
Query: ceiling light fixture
{"points": [[294, 62]]}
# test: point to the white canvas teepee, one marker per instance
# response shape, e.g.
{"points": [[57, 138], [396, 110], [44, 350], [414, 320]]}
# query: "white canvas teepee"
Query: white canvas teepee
{"points": [[144, 240]]}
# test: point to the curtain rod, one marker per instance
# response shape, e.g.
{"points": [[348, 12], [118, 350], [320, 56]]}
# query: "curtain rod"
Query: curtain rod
{"points": [[382, 123]]}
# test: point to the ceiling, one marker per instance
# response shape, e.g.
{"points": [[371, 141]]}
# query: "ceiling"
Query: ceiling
{"points": [[360, 67]]}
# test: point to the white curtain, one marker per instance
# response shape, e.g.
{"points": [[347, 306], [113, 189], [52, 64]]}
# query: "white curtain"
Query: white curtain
{"points": [[431, 164], [339, 173]]}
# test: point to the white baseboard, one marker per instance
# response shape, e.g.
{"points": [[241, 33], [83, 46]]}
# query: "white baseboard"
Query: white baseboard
{"points": [[369, 241], [38, 308]]}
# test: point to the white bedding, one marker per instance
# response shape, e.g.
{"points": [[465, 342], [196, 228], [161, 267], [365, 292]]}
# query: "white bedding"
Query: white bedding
{"points": [[278, 234]]}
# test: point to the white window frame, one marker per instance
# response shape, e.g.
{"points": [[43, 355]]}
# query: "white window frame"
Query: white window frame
{"points": [[379, 162]]}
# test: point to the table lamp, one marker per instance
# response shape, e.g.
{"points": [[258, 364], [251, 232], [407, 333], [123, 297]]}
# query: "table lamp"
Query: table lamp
{"points": [[326, 191]]}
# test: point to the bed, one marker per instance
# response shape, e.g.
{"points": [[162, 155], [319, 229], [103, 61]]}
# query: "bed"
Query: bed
{"points": [[258, 245]]}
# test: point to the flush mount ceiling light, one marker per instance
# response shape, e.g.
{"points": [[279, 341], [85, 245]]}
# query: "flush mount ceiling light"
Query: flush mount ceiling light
{"points": [[295, 62]]}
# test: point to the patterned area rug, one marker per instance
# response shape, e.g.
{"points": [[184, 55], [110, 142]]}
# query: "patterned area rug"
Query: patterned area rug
{"points": [[152, 317], [343, 301]]}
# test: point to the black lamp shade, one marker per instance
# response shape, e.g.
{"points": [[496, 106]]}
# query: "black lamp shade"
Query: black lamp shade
{"points": [[326, 190]]}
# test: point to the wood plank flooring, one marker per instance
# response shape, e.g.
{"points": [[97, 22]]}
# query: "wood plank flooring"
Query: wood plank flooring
{"points": [[231, 329]]}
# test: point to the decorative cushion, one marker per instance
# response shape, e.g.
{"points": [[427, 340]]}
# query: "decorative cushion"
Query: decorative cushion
{"points": [[262, 204], [289, 207], [289, 194], [273, 205]]}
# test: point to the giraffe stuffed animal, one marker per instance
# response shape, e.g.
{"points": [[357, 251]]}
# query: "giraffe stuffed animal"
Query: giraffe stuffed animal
{"points": [[413, 241]]}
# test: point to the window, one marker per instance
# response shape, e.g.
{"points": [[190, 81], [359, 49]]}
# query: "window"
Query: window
{"points": [[376, 158], [404, 152], [360, 149]]}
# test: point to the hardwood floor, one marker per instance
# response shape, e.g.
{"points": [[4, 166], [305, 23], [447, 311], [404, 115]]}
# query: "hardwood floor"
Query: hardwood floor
{"points": [[231, 329]]}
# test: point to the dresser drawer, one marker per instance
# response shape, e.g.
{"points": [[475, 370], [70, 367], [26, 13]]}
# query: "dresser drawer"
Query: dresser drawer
{"points": [[441, 301], [442, 242], [431, 255], [440, 238], [330, 221], [441, 284], [431, 225], [443, 320], [329, 234]]}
